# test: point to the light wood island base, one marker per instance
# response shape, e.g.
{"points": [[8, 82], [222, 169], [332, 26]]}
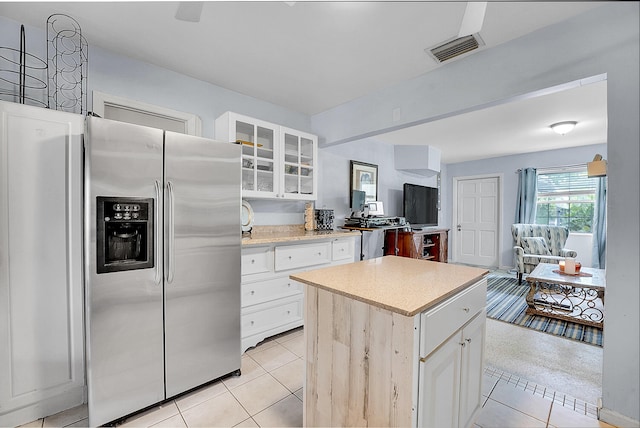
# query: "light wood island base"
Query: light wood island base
{"points": [[354, 375], [380, 344]]}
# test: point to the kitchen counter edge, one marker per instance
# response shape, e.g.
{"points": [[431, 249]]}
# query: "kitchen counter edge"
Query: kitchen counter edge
{"points": [[294, 236], [371, 297]]}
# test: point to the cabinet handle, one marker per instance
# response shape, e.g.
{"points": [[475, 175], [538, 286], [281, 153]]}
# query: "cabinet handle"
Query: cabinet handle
{"points": [[466, 310], [462, 344], [468, 340], [253, 292], [319, 253], [288, 312], [251, 322], [289, 257], [253, 261]]}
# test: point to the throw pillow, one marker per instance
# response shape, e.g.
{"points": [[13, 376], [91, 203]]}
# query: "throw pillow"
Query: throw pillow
{"points": [[535, 245]]}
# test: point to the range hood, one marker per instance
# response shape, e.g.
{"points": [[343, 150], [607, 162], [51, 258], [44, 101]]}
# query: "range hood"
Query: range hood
{"points": [[423, 160]]}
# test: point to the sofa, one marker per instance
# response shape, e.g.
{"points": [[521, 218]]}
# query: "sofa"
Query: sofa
{"points": [[537, 243]]}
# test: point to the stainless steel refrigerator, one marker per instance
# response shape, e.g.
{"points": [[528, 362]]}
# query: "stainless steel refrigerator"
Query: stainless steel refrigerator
{"points": [[162, 244]]}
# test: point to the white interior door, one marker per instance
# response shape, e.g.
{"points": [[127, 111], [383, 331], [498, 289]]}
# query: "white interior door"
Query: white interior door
{"points": [[477, 221]]}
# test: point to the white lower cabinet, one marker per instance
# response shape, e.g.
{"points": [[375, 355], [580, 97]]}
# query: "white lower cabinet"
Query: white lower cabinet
{"points": [[450, 379], [271, 302]]}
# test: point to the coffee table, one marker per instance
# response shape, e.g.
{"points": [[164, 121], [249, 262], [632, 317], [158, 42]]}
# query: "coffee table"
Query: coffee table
{"points": [[573, 298]]}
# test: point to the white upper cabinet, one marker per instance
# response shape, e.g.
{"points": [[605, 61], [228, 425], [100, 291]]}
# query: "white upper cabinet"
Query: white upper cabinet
{"points": [[277, 162], [299, 161]]}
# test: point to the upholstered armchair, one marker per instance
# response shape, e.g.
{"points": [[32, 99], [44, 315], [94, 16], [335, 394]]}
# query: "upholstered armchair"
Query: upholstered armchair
{"points": [[537, 243]]}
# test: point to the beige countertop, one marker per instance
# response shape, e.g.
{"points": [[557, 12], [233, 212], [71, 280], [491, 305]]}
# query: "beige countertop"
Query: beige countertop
{"points": [[398, 284], [290, 233]]}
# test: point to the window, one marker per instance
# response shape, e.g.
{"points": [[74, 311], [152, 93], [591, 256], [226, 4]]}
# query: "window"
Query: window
{"points": [[130, 111], [566, 199]]}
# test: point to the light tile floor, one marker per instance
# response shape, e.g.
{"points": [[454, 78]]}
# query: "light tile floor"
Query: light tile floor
{"points": [[269, 394]]}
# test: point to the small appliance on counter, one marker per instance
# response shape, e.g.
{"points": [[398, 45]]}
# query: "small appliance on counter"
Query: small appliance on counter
{"points": [[324, 219], [371, 222]]}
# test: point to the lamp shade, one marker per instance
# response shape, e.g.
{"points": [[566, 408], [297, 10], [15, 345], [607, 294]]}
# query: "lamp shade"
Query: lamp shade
{"points": [[563, 128], [597, 168]]}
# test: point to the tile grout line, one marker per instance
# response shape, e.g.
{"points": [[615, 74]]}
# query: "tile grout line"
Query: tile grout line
{"points": [[566, 400], [181, 415], [274, 378], [551, 409]]}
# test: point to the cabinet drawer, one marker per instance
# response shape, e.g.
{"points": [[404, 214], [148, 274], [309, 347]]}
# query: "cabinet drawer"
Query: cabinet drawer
{"points": [[256, 260], [437, 324], [271, 289], [270, 316], [300, 256], [342, 249]]}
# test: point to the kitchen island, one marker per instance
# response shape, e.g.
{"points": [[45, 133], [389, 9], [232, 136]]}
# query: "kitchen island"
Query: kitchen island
{"points": [[393, 341]]}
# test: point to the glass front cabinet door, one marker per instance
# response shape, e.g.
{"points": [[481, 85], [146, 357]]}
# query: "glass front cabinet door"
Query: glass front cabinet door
{"points": [[277, 162], [299, 160], [259, 152]]}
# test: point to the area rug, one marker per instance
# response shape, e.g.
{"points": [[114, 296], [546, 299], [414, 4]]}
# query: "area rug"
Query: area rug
{"points": [[506, 302]]}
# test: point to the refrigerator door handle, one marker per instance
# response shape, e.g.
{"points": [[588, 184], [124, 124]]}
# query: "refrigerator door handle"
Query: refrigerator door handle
{"points": [[171, 235], [158, 276]]}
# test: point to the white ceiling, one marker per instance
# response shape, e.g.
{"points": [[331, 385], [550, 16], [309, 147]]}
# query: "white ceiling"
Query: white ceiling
{"points": [[515, 127], [313, 56]]}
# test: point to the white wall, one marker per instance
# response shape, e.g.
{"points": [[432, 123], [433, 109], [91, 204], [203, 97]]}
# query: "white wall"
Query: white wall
{"points": [[507, 166], [122, 76], [601, 41], [334, 186]]}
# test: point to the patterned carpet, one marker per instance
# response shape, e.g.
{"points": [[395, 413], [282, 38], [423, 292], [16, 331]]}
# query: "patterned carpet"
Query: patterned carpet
{"points": [[506, 302]]}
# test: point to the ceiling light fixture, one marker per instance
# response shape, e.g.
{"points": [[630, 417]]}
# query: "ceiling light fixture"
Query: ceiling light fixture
{"points": [[563, 128]]}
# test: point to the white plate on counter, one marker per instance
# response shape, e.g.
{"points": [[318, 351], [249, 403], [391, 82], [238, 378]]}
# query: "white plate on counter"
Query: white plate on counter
{"points": [[246, 217]]}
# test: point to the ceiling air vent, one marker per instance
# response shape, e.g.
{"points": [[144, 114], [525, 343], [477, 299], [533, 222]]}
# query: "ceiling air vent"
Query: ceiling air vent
{"points": [[456, 47]]}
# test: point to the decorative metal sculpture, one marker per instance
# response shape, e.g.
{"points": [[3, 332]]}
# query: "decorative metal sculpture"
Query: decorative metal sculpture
{"points": [[22, 75], [67, 56]]}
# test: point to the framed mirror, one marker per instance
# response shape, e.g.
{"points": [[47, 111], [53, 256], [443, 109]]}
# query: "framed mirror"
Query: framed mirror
{"points": [[364, 177]]}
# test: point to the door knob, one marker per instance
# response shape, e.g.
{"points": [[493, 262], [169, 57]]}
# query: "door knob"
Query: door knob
{"points": [[459, 228]]}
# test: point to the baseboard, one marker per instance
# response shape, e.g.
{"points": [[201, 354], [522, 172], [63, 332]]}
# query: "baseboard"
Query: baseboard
{"points": [[616, 419]]}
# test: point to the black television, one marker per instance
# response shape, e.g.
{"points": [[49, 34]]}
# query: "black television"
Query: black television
{"points": [[420, 205]]}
